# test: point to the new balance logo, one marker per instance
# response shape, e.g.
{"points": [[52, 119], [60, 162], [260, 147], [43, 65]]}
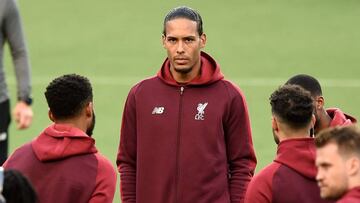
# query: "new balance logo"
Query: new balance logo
{"points": [[158, 110], [201, 111]]}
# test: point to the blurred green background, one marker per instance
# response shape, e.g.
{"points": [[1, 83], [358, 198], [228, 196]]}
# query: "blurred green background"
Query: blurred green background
{"points": [[258, 43]]}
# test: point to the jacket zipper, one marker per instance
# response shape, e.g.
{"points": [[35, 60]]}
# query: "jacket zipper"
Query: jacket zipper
{"points": [[177, 174]]}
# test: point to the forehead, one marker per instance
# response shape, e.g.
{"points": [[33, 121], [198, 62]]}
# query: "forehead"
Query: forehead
{"points": [[328, 154], [181, 27]]}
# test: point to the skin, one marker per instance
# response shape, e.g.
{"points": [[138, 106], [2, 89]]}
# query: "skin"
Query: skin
{"points": [[282, 131], [183, 45], [332, 176], [323, 120], [85, 121], [23, 115]]}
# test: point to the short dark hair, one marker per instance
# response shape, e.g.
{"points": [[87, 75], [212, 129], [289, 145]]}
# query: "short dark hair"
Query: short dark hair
{"points": [[293, 105], [307, 82], [346, 137], [184, 12], [17, 188], [67, 95]]}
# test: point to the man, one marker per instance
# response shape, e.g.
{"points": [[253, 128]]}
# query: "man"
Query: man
{"points": [[185, 133], [291, 177], [11, 31], [63, 163], [324, 117], [338, 163]]}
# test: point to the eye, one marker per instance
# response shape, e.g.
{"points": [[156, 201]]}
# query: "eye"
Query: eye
{"points": [[189, 40], [171, 40]]}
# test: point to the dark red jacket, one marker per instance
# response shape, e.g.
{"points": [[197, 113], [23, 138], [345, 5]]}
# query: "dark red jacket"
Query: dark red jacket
{"points": [[185, 144], [290, 178], [352, 196], [338, 118], [63, 165]]}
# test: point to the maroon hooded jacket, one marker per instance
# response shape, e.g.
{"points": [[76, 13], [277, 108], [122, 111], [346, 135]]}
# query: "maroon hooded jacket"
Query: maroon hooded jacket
{"points": [[185, 143], [290, 178], [338, 118], [63, 165], [352, 196]]}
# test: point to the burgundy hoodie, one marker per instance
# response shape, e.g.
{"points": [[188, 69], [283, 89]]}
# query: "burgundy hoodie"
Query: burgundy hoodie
{"points": [[63, 165], [185, 143], [352, 196], [290, 178], [339, 118]]}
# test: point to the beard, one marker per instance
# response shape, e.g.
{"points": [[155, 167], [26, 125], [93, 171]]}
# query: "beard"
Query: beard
{"points": [[90, 129], [276, 139]]}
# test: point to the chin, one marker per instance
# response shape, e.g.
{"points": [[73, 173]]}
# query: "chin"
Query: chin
{"points": [[183, 70]]}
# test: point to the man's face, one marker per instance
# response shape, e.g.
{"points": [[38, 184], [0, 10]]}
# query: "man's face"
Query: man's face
{"points": [[183, 44], [331, 177]]}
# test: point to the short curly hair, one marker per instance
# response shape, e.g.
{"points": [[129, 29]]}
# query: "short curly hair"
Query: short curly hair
{"points": [[67, 95], [293, 104]]}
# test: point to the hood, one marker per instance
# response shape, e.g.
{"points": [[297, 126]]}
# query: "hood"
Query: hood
{"points": [[209, 72], [298, 154], [339, 118], [60, 141]]}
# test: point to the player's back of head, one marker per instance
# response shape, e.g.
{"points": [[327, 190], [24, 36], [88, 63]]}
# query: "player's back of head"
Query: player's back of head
{"points": [[307, 82], [17, 188], [293, 105], [67, 95]]}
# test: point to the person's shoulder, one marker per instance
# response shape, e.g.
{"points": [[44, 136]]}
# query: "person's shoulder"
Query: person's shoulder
{"points": [[267, 173], [102, 160], [19, 154], [231, 86], [232, 89], [143, 82], [260, 186]]}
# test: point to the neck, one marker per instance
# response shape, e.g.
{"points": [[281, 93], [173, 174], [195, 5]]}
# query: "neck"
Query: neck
{"points": [[324, 121], [291, 134], [73, 122], [354, 182]]}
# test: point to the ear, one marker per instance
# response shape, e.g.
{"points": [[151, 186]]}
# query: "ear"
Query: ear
{"points": [[89, 109], [163, 38], [274, 124], [51, 116], [203, 40], [320, 102], [353, 166]]}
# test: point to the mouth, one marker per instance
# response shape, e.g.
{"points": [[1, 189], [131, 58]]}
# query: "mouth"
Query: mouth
{"points": [[181, 61]]}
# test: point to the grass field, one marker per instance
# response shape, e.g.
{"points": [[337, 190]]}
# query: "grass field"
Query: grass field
{"points": [[259, 45]]}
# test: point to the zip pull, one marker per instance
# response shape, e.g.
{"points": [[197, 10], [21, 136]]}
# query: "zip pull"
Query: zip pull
{"points": [[181, 90]]}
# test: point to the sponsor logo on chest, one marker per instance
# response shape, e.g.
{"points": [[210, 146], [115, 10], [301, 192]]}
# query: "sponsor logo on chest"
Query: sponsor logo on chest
{"points": [[199, 116]]}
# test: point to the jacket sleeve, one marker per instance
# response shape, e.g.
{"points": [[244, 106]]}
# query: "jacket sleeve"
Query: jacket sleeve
{"points": [[240, 151], [126, 158], [105, 182], [14, 34]]}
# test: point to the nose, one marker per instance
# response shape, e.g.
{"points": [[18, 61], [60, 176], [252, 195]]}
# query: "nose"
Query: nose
{"points": [[319, 176], [180, 48]]}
